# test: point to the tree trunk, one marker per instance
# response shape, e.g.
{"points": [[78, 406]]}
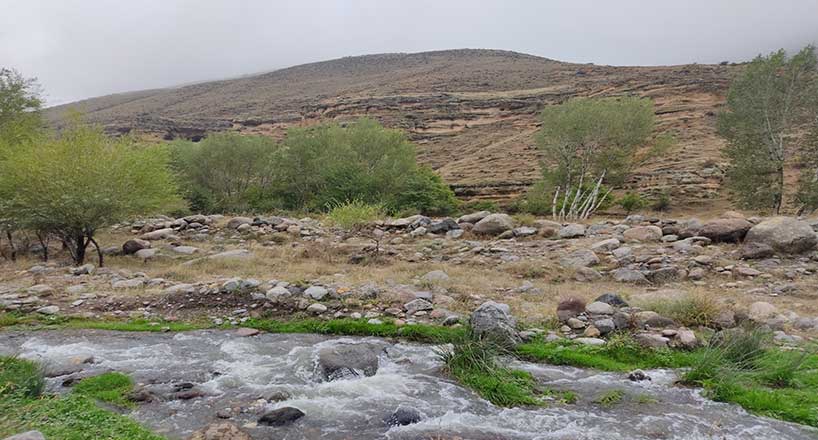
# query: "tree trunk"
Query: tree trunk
{"points": [[99, 251], [42, 237], [778, 197], [79, 249], [11, 245]]}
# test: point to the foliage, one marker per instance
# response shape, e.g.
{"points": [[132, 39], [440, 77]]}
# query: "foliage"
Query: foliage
{"points": [[110, 387], [20, 376], [20, 106], [610, 397], [354, 214], [631, 202], [662, 202], [689, 309], [807, 195], [74, 184], [767, 104], [539, 198]]}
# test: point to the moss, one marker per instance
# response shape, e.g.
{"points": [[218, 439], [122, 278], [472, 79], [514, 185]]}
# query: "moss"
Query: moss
{"points": [[109, 387]]}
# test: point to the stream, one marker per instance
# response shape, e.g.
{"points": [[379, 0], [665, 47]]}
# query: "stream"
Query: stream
{"points": [[229, 371]]}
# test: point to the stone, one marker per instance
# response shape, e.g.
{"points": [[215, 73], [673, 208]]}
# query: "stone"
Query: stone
{"points": [[599, 308], [687, 338], [454, 234], [494, 224], [473, 218], [235, 222], [591, 332], [180, 288], [625, 275], [590, 341], [40, 289], [651, 340], [756, 251], [278, 292], [443, 226], [569, 307], [760, 311], [579, 258], [643, 234], [220, 431], [606, 245], [48, 310], [317, 308], [85, 269], [725, 319], [403, 415], [725, 230], [159, 234], [524, 231], [435, 276], [638, 376], [612, 299], [246, 332], [587, 275], [185, 250], [575, 323], [236, 254], [347, 360], [743, 271], [146, 254], [573, 230], [28, 435], [417, 305], [666, 275], [784, 234], [281, 416], [651, 319], [134, 283], [494, 320], [316, 292], [605, 325]]}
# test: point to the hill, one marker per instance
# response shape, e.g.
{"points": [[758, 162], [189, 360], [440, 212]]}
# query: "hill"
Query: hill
{"points": [[472, 112]]}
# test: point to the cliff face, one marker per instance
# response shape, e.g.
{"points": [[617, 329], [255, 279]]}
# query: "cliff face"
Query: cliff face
{"points": [[472, 113]]}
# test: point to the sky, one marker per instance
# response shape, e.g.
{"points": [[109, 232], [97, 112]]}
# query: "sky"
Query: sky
{"points": [[84, 48]]}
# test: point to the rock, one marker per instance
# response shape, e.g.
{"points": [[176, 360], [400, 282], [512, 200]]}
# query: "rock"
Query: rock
{"points": [[587, 275], [605, 325], [591, 332], [784, 234], [599, 308], [40, 289], [159, 234], [494, 224], [236, 254], [725, 319], [231, 285], [524, 231], [246, 332], [435, 276], [86, 269], [743, 271], [220, 431], [473, 218], [28, 435], [590, 341], [417, 305], [443, 226], [725, 230], [570, 307], [622, 320], [756, 251], [281, 416], [494, 320], [625, 275], [651, 340], [402, 416], [651, 319], [235, 222], [134, 283], [316, 292], [606, 245], [760, 311], [48, 310], [666, 275], [690, 228], [687, 338], [343, 360], [455, 234], [278, 292], [185, 250], [573, 230], [643, 234], [180, 288], [146, 254], [575, 323], [418, 232], [579, 258], [638, 376], [612, 299], [317, 308]]}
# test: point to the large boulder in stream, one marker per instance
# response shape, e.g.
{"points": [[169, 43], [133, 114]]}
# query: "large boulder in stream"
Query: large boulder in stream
{"points": [[494, 321], [344, 361]]}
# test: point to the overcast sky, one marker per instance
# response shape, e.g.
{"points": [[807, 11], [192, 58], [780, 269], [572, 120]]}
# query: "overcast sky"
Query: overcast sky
{"points": [[85, 48]]}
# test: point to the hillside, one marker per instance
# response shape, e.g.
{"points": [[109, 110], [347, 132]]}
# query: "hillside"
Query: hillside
{"points": [[472, 113]]}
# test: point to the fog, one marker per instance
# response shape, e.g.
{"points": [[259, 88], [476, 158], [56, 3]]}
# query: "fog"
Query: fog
{"points": [[84, 48]]}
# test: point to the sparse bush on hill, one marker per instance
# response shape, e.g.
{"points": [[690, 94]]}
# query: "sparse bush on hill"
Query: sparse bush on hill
{"points": [[631, 202], [588, 142], [354, 214], [72, 185]]}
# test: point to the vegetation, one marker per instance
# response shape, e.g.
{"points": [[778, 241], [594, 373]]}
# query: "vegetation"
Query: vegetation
{"points": [[689, 309], [73, 417], [591, 141], [610, 397], [20, 106], [312, 169], [72, 185], [110, 387], [767, 106], [354, 214], [631, 202], [662, 202]]}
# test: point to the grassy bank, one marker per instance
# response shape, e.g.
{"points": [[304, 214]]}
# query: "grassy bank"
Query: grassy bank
{"points": [[75, 416]]}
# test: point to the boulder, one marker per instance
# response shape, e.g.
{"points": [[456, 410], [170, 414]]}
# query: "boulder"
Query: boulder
{"points": [[643, 234], [343, 360], [494, 320], [570, 307], [725, 230], [403, 415], [574, 230], [417, 305], [316, 292], [473, 217], [651, 340], [579, 258], [130, 247], [220, 431], [494, 224], [281, 416], [599, 308], [159, 234], [443, 226], [435, 276], [760, 311], [606, 245], [625, 275], [612, 299], [756, 251], [235, 222], [784, 234]]}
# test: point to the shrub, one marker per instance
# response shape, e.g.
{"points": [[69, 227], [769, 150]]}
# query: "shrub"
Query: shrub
{"points": [[354, 214], [631, 202], [662, 202], [689, 309], [20, 376]]}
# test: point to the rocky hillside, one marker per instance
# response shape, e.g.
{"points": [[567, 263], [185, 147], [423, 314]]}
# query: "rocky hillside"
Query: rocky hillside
{"points": [[472, 113]]}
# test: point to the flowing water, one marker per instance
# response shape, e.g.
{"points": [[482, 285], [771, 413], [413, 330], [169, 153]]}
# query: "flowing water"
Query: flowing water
{"points": [[237, 372]]}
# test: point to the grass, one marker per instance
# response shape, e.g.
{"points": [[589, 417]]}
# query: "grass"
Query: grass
{"points": [[691, 309], [109, 387], [72, 417], [610, 398], [354, 214], [360, 327]]}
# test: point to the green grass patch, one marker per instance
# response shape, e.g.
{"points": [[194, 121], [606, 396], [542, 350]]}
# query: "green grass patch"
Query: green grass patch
{"points": [[19, 376], [610, 398], [109, 387]]}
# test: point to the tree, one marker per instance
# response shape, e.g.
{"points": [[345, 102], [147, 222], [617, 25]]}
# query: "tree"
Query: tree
{"points": [[767, 106], [587, 142], [807, 195], [72, 185]]}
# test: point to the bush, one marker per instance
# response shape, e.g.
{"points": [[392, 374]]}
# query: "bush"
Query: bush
{"points": [[20, 376], [690, 309], [354, 214], [631, 202], [662, 202]]}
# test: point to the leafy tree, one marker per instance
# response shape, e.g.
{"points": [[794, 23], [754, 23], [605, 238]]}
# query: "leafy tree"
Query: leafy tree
{"points": [[631, 202], [807, 195], [20, 106], [767, 105], [587, 142], [72, 185]]}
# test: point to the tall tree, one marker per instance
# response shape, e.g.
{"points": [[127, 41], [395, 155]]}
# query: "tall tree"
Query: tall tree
{"points": [[768, 104], [20, 105]]}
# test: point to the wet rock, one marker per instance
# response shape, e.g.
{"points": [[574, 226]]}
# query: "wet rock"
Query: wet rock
{"points": [[643, 234], [494, 224], [281, 416], [579, 258], [725, 230], [784, 234], [573, 230], [494, 320], [612, 299], [220, 431], [348, 360], [638, 376], [403, 415]]}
